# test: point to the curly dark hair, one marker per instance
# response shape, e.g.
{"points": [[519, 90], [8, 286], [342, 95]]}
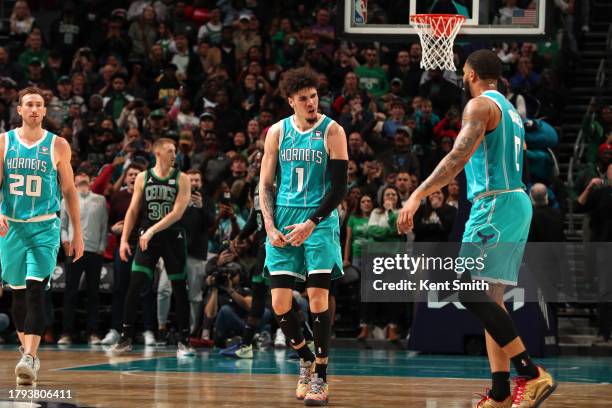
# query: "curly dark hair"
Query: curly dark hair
{"points": [[297, 79]]}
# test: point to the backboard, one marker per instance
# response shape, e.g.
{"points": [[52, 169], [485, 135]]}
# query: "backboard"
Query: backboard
{"points": [[487, 20]]}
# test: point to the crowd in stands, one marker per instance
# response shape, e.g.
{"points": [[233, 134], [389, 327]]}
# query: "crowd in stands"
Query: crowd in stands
{"points": [[118, 75]]}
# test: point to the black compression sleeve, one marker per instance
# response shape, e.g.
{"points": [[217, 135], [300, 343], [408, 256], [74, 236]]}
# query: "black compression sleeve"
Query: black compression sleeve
{"points": [[334, 196], [250, 226]]}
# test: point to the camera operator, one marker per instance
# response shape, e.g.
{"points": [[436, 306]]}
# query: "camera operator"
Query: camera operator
{"points": [[198, 217], [228, 302]]}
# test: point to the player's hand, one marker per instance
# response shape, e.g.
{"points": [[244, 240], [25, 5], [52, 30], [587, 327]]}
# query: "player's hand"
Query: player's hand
{"points": [[3, 225], [406, 214], [124, 251], [76, 248], [144, 240], [276, 238], [299, 232]]}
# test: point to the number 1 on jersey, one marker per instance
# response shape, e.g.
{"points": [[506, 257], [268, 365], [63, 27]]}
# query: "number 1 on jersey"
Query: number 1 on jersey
{"points": [[300, 176]]}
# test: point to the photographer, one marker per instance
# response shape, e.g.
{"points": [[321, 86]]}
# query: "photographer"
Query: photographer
{"points": [[134, 114], [228, 303], [227, 223]]}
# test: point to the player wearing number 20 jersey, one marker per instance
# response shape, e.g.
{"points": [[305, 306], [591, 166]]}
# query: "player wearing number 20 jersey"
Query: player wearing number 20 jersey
{"points": [[30, 201]]}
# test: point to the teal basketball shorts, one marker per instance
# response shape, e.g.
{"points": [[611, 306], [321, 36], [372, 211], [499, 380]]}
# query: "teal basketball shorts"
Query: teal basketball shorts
{"points": [[497, 232], [29, 251], [320, 253]]}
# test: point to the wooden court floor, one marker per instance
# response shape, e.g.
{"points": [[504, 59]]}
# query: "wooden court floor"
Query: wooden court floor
{"points": [[157, 379]]}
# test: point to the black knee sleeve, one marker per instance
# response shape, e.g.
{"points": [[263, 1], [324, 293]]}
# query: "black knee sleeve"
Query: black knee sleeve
{"points": [[35, 315], [321, 328], [18, 309], [258, 305], [496, 321], [290, 325], [319, 280]]}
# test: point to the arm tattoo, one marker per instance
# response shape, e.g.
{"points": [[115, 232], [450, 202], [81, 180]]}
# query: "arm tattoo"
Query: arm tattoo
{"points": [[268, 198], [467, 141]]}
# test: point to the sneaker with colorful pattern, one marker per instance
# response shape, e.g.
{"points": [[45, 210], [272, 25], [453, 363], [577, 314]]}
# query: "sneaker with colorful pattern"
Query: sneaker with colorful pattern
{"points": [[317, 396], [303, 385]]}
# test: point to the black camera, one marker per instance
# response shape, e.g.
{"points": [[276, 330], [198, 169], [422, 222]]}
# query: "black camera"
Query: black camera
{"points": [[220, 278]]}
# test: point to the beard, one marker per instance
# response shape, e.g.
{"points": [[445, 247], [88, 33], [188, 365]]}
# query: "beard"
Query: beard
{"points": [[311, 121]]}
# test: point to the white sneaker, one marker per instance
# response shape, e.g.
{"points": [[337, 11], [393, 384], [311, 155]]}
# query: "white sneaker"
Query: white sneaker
{"points": [[183, 350], [279, 340], [149, 338], [111, 337], [64, 340], [26, 369]]}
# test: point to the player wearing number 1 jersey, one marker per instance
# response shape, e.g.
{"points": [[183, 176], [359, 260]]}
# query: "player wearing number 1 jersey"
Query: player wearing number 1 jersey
{"points": [[306, 155], [161, 195], [32, 162], [490, 147]]}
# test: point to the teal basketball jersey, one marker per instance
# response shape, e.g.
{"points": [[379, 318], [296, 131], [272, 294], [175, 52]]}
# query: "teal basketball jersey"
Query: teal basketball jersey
{"points": [[302, 176], [497, 164], [30, 185]]}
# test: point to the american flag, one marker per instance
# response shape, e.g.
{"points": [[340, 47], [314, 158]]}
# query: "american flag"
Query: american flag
{"points": [[520, 16]]}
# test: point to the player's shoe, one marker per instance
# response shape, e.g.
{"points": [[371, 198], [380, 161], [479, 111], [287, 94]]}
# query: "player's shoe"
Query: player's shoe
{"points": [[111, 337], [27, 368], [317, 395], [149, 338], [303, 385], [122, 346], [488, 402], [279, 340], [531, 393], [184, 350], [238, 351]]}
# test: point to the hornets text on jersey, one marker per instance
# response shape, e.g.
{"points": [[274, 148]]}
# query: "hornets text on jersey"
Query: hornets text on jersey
{"points": [[302, 176], [30, 187]]}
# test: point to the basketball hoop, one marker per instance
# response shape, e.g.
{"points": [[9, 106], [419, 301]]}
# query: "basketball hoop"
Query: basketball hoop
{"points": [[437, 33]]}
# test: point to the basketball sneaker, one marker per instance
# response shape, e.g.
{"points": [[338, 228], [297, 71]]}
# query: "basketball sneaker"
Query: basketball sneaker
{"points": [[317, 395], [111, 337], [27, 368], [184, 350], [149, 338], [122, 346], [279, 339], [531, 393], [303, 385], [238, 351], [488, 402]]}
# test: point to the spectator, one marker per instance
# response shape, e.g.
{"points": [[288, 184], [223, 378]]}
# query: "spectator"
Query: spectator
{"points": [[357, 231], [37, 76], [382, 222], [9, 68], [525, 80], [34, 49], [434, 219], [452, 196], [449, 126], [400, 156], [116, 42], [229, 119], [396, 119], [182, 55], [143, 32], [426, 121], [441, 92], [94, 221], [546, 222], [21, 22], [357, 116], [505, 14], [65, 99], [66, 31], [246, 36], [403, 184], [116, 98], [372, 77], [211, 31], [227, 223], [404, 70]]}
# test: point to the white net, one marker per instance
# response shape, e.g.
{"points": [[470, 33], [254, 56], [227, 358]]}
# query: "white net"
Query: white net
{"points": [[437, 33]]}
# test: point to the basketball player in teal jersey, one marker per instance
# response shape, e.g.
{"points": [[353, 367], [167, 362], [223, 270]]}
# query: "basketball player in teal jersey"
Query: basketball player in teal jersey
{"points": [[490, 147], [306, 155], [33, 160]]}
